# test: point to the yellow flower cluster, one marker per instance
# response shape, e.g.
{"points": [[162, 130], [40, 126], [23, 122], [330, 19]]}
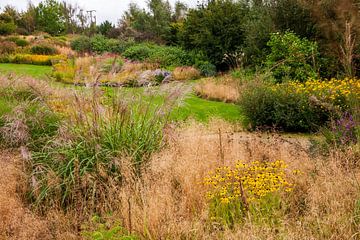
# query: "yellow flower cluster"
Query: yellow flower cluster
{"points": [[35, 59], [334, 91], [247, 182]]}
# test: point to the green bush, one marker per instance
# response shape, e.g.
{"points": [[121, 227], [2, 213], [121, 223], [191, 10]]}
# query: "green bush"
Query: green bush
{"points": [[100, 44], [81, 44], [21, 42], [165, 56], [206, 68], [102, 231], [139, 52], [276, 106], [292, 57], [43, 49], [119, 46], [18, 41], [7, 28]]}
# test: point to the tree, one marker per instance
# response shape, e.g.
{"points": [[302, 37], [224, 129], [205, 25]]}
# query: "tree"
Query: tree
{"points": [[105, 28], [291, 15], [257, 27], [292, 57], [135, 23], [7, 25], [50, 17], [180, 11], [339, 24], [153, 24], [28, 19], [160, 17], [69, 13], [215, 28]]}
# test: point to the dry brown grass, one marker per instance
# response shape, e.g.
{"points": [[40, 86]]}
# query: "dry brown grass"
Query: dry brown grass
{"points": [[225, 89], [15, 130], [65, 51], [168, 202], [17, 221], [185, 73]]}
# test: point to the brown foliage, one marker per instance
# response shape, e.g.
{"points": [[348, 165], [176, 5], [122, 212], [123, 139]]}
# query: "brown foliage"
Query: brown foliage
{"points": [[226, 89]]}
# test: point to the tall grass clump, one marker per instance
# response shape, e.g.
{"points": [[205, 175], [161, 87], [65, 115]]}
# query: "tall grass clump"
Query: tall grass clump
{"points": [[25, 119], [81, 168]]}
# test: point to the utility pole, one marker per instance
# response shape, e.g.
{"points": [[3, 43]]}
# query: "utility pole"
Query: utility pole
{"points": [[92, 17], [92, 27]]}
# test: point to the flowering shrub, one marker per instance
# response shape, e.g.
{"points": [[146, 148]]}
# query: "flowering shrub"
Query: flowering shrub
{"points": [[299, 107], [333, 91], [281, 107], [341, 132], [234, 190]]}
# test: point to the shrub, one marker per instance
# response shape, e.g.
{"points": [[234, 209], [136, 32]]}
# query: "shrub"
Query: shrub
{"points": [[120, 46], [170, 56], [185, 73], [81, 44], [206, 68], [22, 31], [342, 132], [43, 49], [334, 92], [64, 71], [7, 28], [99, 44], [102, 231], [282, 107], [7, 47], [165, 56], [18, 41], [292, 57], [139, 52], [21, 42]]}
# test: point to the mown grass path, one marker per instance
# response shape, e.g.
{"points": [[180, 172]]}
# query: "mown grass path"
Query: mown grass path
{"points": [[25, 70], [192, 107]]}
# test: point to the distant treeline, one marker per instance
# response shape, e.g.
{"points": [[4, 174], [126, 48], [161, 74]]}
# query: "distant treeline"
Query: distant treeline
{"points": [[215, 28]]}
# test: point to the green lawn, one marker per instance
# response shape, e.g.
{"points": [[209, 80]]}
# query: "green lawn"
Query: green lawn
{"points": [[202, 110], [192, 107], [25, 70]]}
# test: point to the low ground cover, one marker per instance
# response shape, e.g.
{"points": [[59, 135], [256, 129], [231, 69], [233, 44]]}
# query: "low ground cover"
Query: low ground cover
{"points": [[25, 70]]}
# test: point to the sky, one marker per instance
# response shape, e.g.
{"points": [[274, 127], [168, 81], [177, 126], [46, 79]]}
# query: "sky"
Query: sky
{"points": [[105, 9]]}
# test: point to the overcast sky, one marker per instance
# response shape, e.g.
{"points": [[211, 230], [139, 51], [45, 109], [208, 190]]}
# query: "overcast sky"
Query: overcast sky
{"points": [[105, 9]]}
